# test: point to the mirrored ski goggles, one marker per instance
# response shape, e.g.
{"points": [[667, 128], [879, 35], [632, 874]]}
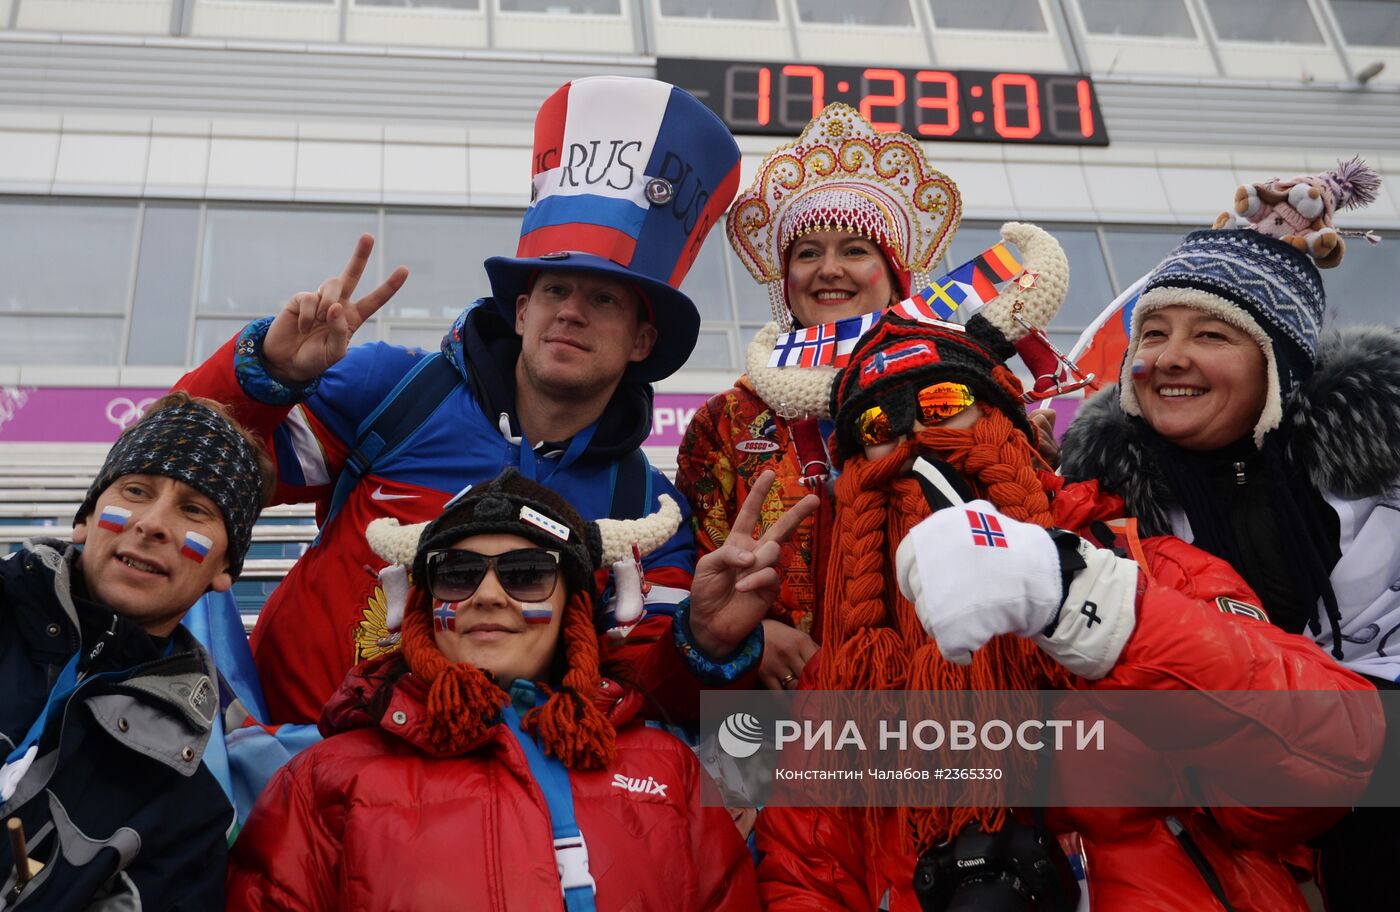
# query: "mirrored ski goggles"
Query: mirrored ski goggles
{"points": [[526, 575], [936, 403]]}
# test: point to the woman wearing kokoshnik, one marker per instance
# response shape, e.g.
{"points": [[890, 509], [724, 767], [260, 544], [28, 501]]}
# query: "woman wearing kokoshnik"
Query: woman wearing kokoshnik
{"points": [[842, 223], [839, 226]]}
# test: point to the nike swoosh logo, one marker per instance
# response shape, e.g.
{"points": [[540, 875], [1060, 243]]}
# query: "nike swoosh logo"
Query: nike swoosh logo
{"points": [[378, 494]]}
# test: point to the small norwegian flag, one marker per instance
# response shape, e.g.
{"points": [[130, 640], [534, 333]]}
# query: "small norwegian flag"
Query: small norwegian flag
{"points": [[986, 530], [445, 617]]}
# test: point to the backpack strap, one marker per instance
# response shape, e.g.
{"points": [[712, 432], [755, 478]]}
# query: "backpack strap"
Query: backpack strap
{"points": [[396, 420], [570, 849], [631, 486]]}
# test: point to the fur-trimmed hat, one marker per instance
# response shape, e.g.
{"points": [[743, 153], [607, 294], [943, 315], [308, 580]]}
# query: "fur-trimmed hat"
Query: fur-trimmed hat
{"points": [[1268, 289]]}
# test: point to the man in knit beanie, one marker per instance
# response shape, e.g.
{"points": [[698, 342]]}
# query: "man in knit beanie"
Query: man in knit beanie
{"points": [[109, 702]]}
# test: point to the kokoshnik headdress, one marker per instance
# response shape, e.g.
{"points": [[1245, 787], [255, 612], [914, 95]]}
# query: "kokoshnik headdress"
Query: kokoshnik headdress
{"points": [[842, 174]]}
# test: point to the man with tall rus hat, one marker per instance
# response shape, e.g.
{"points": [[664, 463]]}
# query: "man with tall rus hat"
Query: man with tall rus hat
{"points": [[551, 373]]}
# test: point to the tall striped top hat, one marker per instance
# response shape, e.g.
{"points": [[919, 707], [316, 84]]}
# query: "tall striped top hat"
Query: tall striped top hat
{"points": [[629, 176]]}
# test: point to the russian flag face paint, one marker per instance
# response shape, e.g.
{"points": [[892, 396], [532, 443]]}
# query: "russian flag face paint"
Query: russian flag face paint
{"points": [[445, 617], [1139, 368], [114, 519], [537, 612], [196, 546]]}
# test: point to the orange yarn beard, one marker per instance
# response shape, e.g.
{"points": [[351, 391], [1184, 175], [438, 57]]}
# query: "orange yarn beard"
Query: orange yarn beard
{"points": [[871, 635], [464, 702]]}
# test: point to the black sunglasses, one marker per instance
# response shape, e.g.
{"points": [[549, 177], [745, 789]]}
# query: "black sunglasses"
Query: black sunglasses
{"points": [[527, 575]]}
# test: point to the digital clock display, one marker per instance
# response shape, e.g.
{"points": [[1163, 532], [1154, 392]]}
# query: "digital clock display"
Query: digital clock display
{"points": [[968, 105]]}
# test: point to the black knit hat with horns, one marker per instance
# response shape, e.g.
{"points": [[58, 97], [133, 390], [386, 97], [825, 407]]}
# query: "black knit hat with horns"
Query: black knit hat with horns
{"points": [[511, 504]]}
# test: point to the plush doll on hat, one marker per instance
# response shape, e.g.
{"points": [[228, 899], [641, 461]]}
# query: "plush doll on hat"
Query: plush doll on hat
{"points": [[1299, 210]]}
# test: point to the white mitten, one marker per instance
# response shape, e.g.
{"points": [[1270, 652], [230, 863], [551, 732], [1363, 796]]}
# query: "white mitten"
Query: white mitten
{"points": [[973, 573]]}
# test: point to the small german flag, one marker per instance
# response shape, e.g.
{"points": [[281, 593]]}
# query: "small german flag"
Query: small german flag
{"points": [[994, 265]]}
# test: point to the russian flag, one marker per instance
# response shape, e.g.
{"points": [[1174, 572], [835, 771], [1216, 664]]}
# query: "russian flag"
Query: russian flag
{"points": [[114, 519], [536, 615], [196, 547], [1101, 347]]}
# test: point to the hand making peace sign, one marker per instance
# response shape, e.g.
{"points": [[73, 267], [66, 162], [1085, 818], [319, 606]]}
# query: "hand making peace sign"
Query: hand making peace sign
{"points": [[736, 584], [313, 331]]}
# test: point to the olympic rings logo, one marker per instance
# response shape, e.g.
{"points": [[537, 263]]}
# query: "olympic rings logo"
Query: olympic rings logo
{"points": [[123, 412]]}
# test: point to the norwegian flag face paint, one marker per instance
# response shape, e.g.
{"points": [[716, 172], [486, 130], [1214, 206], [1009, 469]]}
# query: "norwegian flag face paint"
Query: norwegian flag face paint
{"points": [[114, 519], [196, 546], [445, 617]]}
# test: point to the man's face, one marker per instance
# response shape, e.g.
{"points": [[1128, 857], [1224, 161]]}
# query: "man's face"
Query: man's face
{"points": [[142, 547], [579, 331]]}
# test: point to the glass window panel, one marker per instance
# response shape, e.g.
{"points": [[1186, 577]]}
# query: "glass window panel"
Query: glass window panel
{"points": [[1089, 288], [707, 285], [66, 257], [1147, 18], [60, 340], [1277, 21], [256, 259], [713, 350], [1137, 251], [209, 334], [1369, 22], [750, 298], [1362, 289], [428, 338], [301, 2], [563, 7], [439, 4], [996, 15], [721, 9], [843, 12], [444, 253], [160, 311]]}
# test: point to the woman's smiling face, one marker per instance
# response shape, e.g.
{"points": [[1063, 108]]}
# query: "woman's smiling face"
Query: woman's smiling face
{"points": [[1201, 382], [832, 275]]}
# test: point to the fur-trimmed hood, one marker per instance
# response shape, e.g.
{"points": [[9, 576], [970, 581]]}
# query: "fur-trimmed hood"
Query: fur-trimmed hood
{"points": [[1343, 428]]}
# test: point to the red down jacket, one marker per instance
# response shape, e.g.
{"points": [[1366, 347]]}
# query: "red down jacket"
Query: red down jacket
{"points": [[370, 819], [819, 860]]}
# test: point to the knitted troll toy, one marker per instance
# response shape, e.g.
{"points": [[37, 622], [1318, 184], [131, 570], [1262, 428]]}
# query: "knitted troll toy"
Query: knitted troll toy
{"points": [[1299, 210]]}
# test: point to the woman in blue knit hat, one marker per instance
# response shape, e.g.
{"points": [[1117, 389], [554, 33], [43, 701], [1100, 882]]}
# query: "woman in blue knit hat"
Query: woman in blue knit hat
{"points": [[1240, 426]]}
